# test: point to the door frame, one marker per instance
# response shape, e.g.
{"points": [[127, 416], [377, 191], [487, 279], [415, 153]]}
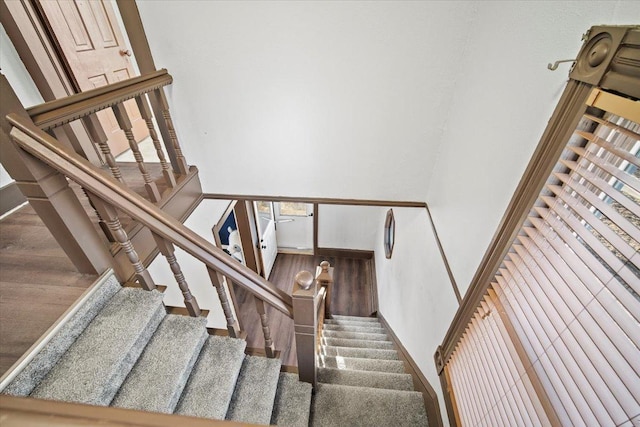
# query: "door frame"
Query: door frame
{"points": [[41, 55]]}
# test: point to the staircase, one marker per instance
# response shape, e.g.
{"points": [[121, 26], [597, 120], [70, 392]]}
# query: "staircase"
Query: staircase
{"points": [[361, 382], [122, 349]]}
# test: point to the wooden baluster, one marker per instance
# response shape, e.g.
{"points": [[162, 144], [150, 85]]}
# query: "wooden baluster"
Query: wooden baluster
{"points": [[324, 276], [125, 124], [145, 112], [103, 225], [305, 323], [217, 280], [110, 216], [100, 138], [182, 166], [168, 250], [269, 348]]}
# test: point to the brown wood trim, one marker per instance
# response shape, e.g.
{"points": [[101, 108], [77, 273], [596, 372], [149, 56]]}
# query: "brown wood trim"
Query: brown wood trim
{"points": [[21, 411], [373, 281], [32, 41], [244, 228], [182, 311], [319, 200], [450, 398], [10, 198], [186, 194], [420, 382], [456, 290], [42, 146], [344, 253], [142, 53], [36, 46], [565, 118], [230, 286], [289, 369], [62, 111], [316, 221], [137, 37]]}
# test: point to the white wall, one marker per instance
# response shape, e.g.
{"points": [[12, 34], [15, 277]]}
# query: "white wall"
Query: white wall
{"points": [[414, 292], [201, 221], [338, 99], [500, 107], [12, 67], [349, 227]]}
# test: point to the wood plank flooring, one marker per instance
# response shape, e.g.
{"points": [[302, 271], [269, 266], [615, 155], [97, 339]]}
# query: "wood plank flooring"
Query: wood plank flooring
{"points": [[37, 283], [351, 296]]}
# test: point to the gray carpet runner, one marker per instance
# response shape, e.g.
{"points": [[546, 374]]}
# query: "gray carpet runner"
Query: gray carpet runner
{"points": [[361, 382], [122, 349]]}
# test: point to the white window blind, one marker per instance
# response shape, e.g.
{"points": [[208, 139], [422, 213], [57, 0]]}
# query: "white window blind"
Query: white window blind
{"points": [[569, 290]]}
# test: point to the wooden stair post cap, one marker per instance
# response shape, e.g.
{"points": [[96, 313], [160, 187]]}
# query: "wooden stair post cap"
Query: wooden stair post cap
{"points": [[304, 279]]}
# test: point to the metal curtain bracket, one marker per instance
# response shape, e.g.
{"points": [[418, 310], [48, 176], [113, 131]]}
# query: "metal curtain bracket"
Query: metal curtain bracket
{"points": [[554, 66]]}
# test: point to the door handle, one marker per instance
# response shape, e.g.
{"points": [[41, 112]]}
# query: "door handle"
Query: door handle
{"points": [[125, 52]]}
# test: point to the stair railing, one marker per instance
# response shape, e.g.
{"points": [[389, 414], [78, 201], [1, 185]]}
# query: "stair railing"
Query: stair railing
{"points": [[109, 196], [54, 115], [309, 300]]}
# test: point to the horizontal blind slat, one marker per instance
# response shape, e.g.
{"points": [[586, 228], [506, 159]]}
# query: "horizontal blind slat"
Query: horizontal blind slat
{"points": [[575, 410], [602, 185], [596, 223], [586, 380], [589, 196], [614, 263], [613, 126]]}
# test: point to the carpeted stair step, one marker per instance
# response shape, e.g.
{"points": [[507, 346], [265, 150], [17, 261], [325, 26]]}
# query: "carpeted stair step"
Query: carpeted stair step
{"points": [[352, 323], [292, 403], [24, 383], [157, 379], [346, 342], [361, 364], [355, 335], [346, 328], [355, 318], [96, 364], [366, 379], [217, 369], [361, 406], [252, 400], [365, 353]]}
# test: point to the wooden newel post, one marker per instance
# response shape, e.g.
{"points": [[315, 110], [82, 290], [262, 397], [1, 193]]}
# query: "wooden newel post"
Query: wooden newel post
{"points": [[305, 320], [324, 276]]}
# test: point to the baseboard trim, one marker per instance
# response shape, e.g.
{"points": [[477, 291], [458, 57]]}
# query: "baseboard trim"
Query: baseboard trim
{"points": [[10, 198], [420, 382], [344, 253]]}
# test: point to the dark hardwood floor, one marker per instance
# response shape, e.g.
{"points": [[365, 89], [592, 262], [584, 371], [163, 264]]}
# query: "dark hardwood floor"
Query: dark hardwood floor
{"points": [[351, 296], [38, 283]]}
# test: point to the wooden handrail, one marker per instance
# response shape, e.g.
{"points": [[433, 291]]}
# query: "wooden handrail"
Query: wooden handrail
{"points": [[47, 149], [62, 111]]}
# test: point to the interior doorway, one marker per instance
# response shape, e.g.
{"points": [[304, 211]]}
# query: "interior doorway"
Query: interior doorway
{"points": [[71, 46], [294, 227]]}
